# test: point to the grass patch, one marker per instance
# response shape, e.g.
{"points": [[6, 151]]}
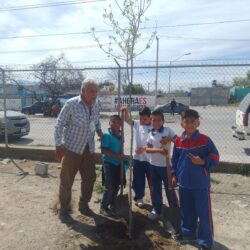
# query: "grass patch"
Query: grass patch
{"points": [[214, 181], [98, 171], [98, 168], [229, 105], [98, 188]]}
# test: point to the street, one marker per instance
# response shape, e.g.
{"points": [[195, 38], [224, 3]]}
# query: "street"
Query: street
{"points": [[216, 122]]}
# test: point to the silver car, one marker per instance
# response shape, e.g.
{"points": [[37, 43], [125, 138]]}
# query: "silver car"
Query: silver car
{"points": [[242, 120], [17, 124]]}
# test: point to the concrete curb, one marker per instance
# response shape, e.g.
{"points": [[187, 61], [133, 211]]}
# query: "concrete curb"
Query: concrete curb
{"points": [[42, 154]]}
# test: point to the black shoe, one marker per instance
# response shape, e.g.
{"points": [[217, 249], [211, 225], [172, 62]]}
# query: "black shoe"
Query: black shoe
{"points": [[202, 247], [86, 211], [65, 218], [106, 212]]}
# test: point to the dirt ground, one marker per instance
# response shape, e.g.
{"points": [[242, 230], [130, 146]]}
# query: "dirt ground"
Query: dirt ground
{"points": [[28, 219]]}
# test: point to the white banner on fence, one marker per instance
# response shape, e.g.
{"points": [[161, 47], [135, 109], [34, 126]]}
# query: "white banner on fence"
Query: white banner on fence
{"points": [[137, 102], [11, 104]]}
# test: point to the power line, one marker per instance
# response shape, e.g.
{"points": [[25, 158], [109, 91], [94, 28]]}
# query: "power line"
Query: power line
{"points": [[46, 5], [55, 34], [206, 39], [166, 62], [52, 49], [144, 28], [161, 36], [90, 46], [71, 62], [207, 23]]}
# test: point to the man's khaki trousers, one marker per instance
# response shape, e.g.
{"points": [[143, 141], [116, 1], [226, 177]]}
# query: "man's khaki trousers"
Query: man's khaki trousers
{"points": [[71, 163]]}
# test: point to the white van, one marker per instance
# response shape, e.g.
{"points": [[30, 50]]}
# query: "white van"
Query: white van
{"points": [[242, 128]]}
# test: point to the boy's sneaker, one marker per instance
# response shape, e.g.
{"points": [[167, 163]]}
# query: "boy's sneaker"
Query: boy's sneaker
{"points": [[154, 216], [112, 208], [183, 239], [139, 203], [202, 247], [106, 212], [169, 228]]}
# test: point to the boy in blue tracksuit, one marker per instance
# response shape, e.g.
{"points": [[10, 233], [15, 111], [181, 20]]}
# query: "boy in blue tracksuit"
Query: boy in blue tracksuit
{"points": [[193, 157]]}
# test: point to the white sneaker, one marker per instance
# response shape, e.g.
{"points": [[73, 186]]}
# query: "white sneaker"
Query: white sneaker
{"points": [[139, 203], [154, 216], [169, 228]]}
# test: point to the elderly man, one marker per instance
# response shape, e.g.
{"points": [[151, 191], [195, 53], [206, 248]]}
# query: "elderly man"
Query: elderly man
{"points": [[74, 138]]}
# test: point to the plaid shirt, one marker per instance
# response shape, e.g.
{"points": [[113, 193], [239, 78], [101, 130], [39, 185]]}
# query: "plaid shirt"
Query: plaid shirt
{"points": [[73, 130]]}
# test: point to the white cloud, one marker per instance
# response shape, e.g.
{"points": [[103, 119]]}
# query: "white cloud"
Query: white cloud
{"points": [[82, 17], [26, 32]]}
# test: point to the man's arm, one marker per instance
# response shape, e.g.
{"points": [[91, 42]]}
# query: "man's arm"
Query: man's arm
{"points": [[99, 130], [98, 123], [60, 124]]}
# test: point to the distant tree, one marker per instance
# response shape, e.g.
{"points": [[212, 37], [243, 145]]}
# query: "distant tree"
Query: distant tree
{"points": [[11, 79], [136, 89], [113, 74], [179, 92], [21, 87], [107, 86], [242, 81], [57, 75]]}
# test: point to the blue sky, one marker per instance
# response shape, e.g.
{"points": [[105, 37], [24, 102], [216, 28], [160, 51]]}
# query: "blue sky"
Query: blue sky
{"points": [[174, 41]]}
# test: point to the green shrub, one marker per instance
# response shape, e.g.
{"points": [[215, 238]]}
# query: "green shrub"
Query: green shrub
{"points": [[244, 170]]}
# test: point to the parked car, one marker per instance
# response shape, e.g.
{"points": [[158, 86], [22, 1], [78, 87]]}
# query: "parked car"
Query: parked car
{"points": [[18, 124], [47, 108], [166, 108], [242, 119], [35, 108]]}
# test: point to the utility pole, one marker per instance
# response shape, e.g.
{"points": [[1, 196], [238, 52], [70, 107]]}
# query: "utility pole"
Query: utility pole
{"points": [[156, 70], [170, 69]]}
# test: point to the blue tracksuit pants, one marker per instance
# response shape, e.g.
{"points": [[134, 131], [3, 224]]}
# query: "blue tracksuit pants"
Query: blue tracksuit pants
{"points": [[141, 169], [159, 175], [195, 205]]}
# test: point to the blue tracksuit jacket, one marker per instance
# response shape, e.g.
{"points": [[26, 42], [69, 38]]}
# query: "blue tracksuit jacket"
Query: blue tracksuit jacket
{"points": [[189, 175]]}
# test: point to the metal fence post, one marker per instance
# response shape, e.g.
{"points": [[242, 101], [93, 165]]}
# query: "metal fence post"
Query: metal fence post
{"points": [[5, 109], [119, 85]]}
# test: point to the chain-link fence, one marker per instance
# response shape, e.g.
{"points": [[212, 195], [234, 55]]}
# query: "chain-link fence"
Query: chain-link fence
{"points": [[204, 87]]}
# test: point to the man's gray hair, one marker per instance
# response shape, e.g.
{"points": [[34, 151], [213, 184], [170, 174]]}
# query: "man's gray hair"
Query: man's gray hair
{"points": [[87, 82]]}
